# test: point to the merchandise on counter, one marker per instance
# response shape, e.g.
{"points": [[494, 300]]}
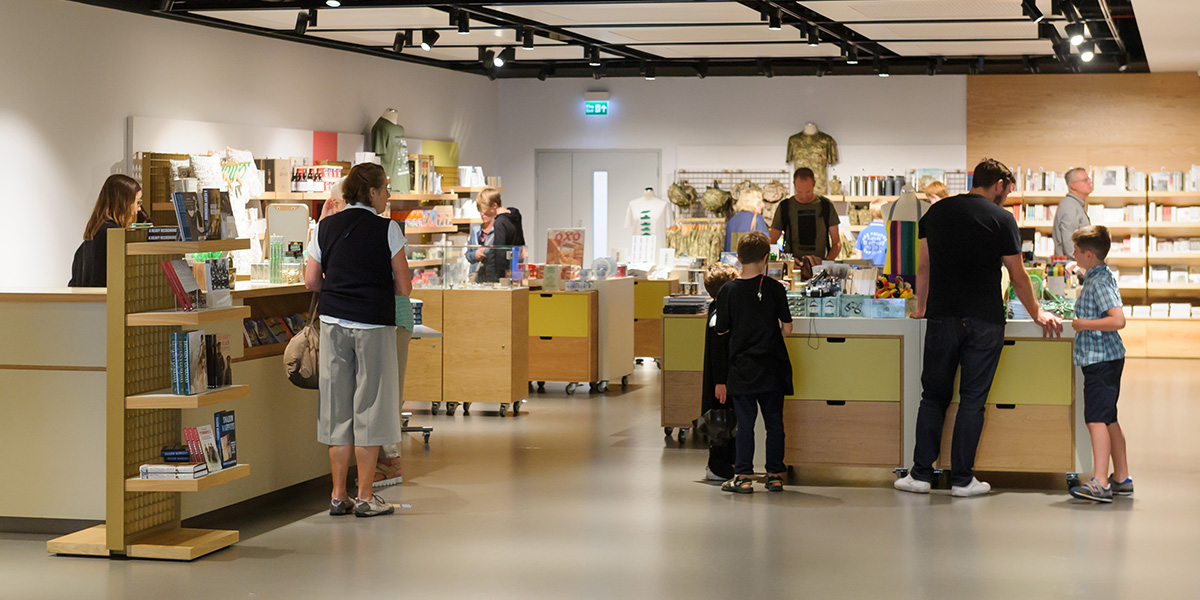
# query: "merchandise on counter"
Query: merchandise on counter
{"points": [[565, 246], [685, 305], [224, 428]]}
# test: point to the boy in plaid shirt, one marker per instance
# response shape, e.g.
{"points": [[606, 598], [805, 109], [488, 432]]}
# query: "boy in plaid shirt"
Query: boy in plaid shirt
{"points": [[1099, 352]]}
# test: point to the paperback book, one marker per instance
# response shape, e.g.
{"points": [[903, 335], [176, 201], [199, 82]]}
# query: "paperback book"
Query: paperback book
{"points": [[189, 373], [216, 283], [208, 445], [190, 214], [226, 438], [211, 210], [192, 438], [220, 363], [189, 470]]}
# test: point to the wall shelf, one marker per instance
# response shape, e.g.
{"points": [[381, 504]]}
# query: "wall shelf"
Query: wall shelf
{"points": [[458, 189], [137, 484], [161, 248], [165, 399], [423, 197], [186, 318], [416, 230]]}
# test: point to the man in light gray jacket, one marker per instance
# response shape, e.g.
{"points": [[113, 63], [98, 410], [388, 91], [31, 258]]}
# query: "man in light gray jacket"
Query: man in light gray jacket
{"points": [[1072, 211]]}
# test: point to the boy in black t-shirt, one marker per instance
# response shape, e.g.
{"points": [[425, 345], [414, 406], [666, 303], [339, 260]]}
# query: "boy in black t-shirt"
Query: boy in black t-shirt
{"points": [[753, 314], [721, 456]]}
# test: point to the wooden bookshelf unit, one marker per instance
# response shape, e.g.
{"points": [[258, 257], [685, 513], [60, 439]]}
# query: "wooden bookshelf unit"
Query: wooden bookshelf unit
{"points": [[142, 516]]}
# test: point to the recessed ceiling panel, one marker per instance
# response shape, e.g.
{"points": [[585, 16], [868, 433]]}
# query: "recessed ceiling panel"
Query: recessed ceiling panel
{"points": [[1168, 29], [743, 51], [949, 31], [742, 33], [640, 13], [860, 10]]}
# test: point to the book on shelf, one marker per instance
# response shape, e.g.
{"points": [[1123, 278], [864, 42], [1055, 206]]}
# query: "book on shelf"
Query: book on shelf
{"points": [[162, 234], [208, 446], [258, 329], [189, 213], [249, 333], [187, 284], [216, 283], [192, 438], [223, 426], [174, 475], [211, 209], [229, 228], [194, 469], [220, 364], [175, 453], [181, 295], [279, 332], [189, 374]]}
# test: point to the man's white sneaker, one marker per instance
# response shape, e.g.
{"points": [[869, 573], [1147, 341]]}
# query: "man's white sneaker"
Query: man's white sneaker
{"points": [[908, 484], [976, 488]]}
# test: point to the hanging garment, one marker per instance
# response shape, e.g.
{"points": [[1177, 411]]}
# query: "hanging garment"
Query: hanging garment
{"points": [[817, 152], [698, 240]]}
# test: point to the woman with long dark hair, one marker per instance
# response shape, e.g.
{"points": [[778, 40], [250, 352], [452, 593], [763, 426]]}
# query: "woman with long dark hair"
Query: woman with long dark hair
{"points": [[357, 262], [117, 206]]}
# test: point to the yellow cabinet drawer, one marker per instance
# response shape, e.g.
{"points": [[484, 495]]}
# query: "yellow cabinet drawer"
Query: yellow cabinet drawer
{"points": [[648, 297], [842, 433], [558, 315], [683, 343], [840, 368], [1026, 439], [1033, 372]]}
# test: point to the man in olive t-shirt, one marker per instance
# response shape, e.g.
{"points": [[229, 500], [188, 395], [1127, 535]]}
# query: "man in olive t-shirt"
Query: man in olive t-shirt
{"points": [[807, 222]]}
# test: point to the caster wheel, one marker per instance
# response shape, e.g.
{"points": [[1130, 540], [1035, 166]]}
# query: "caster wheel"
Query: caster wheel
{"points": [[624, 382], [466, 408], [541, 387], [658, 363], [1073, 480], [530, 387], [901, 472], [451, 408], [571, 387], [504, 410], [602, 387], [637, 361], [682, 436], [668, 431], [426, 436], [434, 407], [516, 408], [405, 423], [593, 388]]}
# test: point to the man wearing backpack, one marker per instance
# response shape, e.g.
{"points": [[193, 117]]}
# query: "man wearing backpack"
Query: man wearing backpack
{"points": [[807, 222]]}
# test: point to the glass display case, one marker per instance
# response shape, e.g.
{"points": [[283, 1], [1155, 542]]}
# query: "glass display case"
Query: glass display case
{"points": [[437, 266]]}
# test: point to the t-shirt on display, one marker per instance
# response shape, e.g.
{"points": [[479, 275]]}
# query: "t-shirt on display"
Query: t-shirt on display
{"points": [[648, 217], [389, 143]]}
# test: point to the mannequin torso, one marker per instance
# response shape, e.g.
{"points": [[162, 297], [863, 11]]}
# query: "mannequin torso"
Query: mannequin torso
{"points": [[389, 143]]}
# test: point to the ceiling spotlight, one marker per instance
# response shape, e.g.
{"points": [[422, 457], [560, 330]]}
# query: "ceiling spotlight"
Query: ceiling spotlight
{"points": [[1075, 33], [1122, 63], [598, 72], [429, 37], [487, 57], [821, 69], [1087, 51], [813, 36], [332, 3], [542, 74], [1031, 64], [527, 39], [881, 67], [503, 57], [648, 71], [931, 68], [980, 63], [765, 69], [701, 68], [464, 23], [401, 41], [1056, 8], [775, 21], [1030, 9], [852, 55], [594, 57], [301, 23]]}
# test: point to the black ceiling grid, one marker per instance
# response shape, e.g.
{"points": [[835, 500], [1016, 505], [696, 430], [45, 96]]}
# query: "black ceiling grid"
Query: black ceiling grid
{"points": [[1111, 25]]}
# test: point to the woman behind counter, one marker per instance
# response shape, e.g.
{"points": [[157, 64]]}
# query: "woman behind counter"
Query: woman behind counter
{"points": [[117, 206], [357, 263], [748, 218]]}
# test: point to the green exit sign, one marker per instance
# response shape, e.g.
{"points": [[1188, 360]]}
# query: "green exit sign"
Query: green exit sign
{"points": [[595, 107]]}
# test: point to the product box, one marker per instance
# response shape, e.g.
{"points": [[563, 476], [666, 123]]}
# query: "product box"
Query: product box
{"points": [[886, 308], [829, 306], [277, 174], [813, 307], [852, 305]]}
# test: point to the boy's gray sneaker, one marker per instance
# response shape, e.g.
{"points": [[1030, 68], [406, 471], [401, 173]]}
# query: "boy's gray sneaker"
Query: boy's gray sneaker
{"points": [[373, 508], [341, 507], [1092, 490], [1121, 488]]}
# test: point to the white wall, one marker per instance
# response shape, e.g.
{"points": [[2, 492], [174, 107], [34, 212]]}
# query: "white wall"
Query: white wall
{"points": [[880, 124], [71, 74]]}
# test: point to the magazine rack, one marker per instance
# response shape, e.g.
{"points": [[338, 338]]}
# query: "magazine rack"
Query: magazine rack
{"points": [[142, 517]]}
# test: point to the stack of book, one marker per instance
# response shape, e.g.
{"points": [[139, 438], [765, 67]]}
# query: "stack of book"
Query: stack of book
{"points": [[685, 305], [189, 470]]}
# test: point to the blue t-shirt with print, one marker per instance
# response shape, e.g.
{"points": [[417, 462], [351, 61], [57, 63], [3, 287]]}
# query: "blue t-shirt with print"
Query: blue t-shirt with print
{"points": [[872, 242]]}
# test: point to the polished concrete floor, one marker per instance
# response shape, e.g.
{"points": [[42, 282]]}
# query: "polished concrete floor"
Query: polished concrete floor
{"points": [[582, 497]]}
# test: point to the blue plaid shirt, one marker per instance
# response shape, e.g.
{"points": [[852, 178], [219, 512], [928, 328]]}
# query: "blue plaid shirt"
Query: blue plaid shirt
{"points": [[1099, 294]]}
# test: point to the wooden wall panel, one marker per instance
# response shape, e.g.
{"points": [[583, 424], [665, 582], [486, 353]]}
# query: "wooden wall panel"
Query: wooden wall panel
{"points": [[1058, 121]]}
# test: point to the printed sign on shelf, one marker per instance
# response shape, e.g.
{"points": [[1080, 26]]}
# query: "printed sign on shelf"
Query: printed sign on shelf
{"points": [[565, 246]]}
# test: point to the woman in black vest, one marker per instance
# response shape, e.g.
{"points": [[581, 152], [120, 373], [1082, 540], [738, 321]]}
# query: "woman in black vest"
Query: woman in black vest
{"points": [[117, 206], [357, 262]]}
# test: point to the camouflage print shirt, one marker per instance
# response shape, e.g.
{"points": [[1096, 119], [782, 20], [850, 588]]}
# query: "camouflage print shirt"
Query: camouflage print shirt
{"points": [[817, 152]]}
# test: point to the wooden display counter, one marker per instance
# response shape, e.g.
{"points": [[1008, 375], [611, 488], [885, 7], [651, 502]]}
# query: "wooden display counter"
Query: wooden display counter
{"points": [[485, 355], [682, 370], [648, 297], [1161, 338], [564, 338]]}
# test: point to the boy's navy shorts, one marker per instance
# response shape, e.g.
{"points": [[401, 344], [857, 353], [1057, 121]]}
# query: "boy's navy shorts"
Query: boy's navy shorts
{"points": [[1101, 388]]}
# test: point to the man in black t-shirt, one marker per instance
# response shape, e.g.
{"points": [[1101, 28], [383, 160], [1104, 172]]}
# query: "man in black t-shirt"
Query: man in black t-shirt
{"points": [[808, 222], [965, 240], [753, 314]]}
